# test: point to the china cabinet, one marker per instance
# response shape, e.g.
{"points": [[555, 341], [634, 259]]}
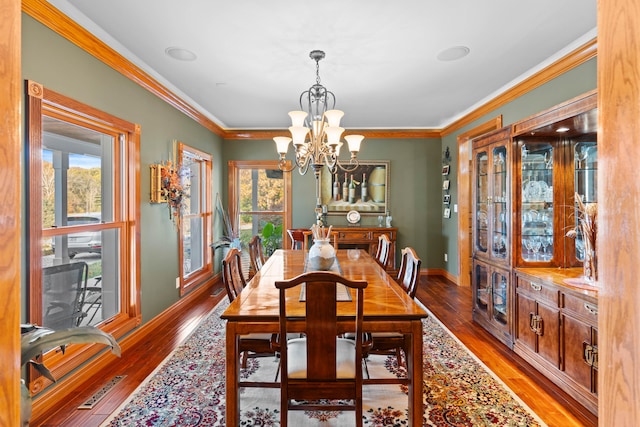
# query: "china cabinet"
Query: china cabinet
{"points": [[491, 278], [555, 156], [527, 287]]}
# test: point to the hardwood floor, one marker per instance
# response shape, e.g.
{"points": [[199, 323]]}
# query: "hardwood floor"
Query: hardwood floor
{"points": [[451, 304]]}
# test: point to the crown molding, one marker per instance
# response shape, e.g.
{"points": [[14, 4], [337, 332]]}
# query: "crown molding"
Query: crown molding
{"points": [[367, 133], [577, 57], [58, 22], [49, 16]]}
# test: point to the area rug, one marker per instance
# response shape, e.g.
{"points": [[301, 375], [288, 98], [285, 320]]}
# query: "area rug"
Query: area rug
{"points": [[188, 388]]}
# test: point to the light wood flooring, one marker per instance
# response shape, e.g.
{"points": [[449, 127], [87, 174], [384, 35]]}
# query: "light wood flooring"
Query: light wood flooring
{"points": [[451, 304]]}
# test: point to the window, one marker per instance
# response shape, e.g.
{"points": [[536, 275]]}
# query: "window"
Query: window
{"points": [[195, 224], [260, 196], [83, 221]]}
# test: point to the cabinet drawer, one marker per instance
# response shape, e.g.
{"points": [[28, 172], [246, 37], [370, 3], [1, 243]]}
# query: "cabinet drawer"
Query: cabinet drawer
{"points": [[583, 308], [391, 234], [356, 235], [539, 291]]}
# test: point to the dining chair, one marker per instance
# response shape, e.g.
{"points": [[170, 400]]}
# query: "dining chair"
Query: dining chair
{"points": [[63, 292], [321, 367], [297, 237], [250, 345], [408, 278], [256, 254], [384, 248]]}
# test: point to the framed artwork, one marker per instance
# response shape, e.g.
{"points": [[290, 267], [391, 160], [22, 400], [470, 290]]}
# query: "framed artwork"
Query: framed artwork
{"points": [[445, 184], [446, 199], [447, 212], [370, 195], [445, 170]]}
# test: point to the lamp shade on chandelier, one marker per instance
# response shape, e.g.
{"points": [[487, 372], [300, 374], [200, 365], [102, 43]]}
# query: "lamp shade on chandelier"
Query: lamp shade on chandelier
{"points": [[315, 130]]}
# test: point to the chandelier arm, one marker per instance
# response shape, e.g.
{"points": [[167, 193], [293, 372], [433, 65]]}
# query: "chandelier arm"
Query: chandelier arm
{"points": [[353, 162], [304, 168], [282, 166]]}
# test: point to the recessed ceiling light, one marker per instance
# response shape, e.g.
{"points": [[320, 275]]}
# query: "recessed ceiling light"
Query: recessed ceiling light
{"points": [[180, 54], [453, 53], [563, 129]]}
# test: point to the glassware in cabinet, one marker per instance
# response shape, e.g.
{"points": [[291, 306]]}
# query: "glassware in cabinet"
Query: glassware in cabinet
{"points": [[585, 159], [481, 201], [555, 158], [491, 208], [537, 202], [499, 211]]}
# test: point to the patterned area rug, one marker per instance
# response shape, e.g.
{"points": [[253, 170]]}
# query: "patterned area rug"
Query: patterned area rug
{"points": [[188, 389]]}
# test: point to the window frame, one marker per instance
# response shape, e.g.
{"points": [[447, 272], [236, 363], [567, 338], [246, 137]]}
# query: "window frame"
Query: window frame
{"points": [[126, 219], [206, 213], [235, 166]]}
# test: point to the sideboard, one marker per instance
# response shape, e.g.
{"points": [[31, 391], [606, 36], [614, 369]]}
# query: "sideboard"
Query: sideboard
{"points": [[366, 238]]}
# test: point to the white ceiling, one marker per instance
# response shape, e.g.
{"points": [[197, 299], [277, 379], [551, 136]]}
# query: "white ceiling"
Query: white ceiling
{"points": [[381, 56]]}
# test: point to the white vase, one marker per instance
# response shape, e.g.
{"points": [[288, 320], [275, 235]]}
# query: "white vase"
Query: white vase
{"points": [[322, 255]]}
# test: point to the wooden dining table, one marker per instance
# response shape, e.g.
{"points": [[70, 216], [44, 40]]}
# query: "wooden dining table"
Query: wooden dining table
{"points": [[387, 308]]}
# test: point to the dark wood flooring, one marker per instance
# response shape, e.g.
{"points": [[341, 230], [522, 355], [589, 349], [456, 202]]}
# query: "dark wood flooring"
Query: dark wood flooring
{"points": [[451, 304]]}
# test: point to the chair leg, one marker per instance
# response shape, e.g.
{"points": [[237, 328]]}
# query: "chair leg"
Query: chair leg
{"points": [[399, 357], [284, 412], [244, 356], [358, 403], [366, 368]]}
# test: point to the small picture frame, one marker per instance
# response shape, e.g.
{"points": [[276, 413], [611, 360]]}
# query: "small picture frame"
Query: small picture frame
{"points": [[445, 184], [445, 170], [446, 199], [447, 212]]}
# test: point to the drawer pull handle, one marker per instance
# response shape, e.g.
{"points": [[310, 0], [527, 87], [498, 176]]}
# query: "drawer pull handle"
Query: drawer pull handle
{"points": [[536, 324], [591, 309], [536, 287], [590, 354]]}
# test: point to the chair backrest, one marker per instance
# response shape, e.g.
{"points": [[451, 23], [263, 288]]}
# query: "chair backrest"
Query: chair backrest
{"points": [[63, 289], [256, 254], [297, 236], [232, 276], [409, 274], [321, 327], [384, 248]]}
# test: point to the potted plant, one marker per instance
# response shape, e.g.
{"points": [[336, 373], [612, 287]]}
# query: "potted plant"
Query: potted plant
{"points": [[271, 238], [36, 340], [230, 236]]}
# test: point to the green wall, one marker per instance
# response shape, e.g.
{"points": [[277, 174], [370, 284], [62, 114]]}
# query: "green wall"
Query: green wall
{"points": [[61, 66], [573, 83], [415, 189], [415, 182]]}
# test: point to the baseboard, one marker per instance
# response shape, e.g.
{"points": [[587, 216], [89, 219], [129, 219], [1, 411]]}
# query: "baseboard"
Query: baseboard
{"points": [[439, 272], [47, 401]]}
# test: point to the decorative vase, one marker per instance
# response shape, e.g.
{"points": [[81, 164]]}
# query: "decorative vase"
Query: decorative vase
{"points": [[589, 264], [321, 255]]}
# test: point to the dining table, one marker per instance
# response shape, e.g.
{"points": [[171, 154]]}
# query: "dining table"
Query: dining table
{"points": [[387, 308]]}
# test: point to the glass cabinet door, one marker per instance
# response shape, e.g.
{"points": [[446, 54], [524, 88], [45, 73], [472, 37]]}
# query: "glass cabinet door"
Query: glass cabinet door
{"points": [[499, 220], [499, 285], [482, 198], [585, 155], [537, 232], [482, 287]]}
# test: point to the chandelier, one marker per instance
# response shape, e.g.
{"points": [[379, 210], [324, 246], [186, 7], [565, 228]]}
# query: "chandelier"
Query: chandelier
{"points": [[315, 131]]}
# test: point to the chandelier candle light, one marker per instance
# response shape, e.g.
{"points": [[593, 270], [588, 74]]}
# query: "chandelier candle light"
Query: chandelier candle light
{"points": [[316, 134]]}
